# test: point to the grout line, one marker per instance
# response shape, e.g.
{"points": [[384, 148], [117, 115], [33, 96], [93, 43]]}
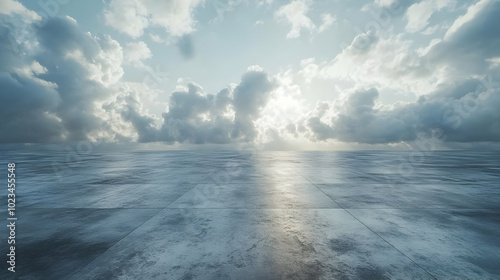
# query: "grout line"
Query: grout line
{"points": [[390, 244], [160, 209], [263, 208], [83, 208], [373, 230], [114, 244]]}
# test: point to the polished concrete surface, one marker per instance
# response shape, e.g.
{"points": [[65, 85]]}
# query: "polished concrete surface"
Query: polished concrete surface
{"points": [[255, 215]]}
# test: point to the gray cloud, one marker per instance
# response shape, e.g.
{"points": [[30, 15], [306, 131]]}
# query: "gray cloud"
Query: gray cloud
{"points": [[144, 125], [198, 118], [80, 81], [471, 41], [24, 110], [46, 96], [186, 47], [54, 77], [466, 112], [51, 95], [26, 102], [249, 97], [464, 108]]}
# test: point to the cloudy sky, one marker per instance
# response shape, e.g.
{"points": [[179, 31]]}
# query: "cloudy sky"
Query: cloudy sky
{"points": [[300, 74]]}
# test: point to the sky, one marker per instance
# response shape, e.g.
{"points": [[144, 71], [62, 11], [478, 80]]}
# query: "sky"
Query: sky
{"points": [[273, 74]]}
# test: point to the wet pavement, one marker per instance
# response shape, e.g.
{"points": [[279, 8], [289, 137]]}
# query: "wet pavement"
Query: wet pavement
{"points": [[255, 215]]}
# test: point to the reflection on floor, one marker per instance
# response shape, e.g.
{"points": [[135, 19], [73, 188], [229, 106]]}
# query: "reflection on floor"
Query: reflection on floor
{"points": [[266, 215]]}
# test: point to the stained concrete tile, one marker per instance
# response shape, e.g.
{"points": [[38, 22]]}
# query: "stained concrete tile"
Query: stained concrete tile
{"points": [[469, 196], [256, 174], [55, 243], [102, 195], [324, 175], [252, 244], [279, 195], [399, 167], [335, 175], [450, 244], [86, 175], [289, 243], [255, 178]]}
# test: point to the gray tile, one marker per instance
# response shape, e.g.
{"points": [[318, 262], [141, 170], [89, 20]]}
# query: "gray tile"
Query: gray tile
{"points": [[450, 244], [55, 243], [88, 175], [270, 195], [443, 214], [102, 196], [256, 175], [364, 195], [252, 244]]}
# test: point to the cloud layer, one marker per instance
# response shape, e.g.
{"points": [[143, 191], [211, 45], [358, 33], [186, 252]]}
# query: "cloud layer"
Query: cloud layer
{"points": [[133, 16], [60, 83], [51, 81], [198, 118]]}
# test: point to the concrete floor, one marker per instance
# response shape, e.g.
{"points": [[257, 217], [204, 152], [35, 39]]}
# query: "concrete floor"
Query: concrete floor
{"points": [[266, 215]]}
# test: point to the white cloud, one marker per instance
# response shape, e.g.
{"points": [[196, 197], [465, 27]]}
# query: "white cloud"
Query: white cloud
{"points": [[295, 14], [52, 94], [463, 112], [70, 82], [389, 63], [262, 2], [132, 17], [470, 42], [418, 14], [128, 16], [135, 52], [457, 103], [196, 117], [105, 66], [156, 38], [471, 14], [8, 7], [328, 21], [431, 29]]}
